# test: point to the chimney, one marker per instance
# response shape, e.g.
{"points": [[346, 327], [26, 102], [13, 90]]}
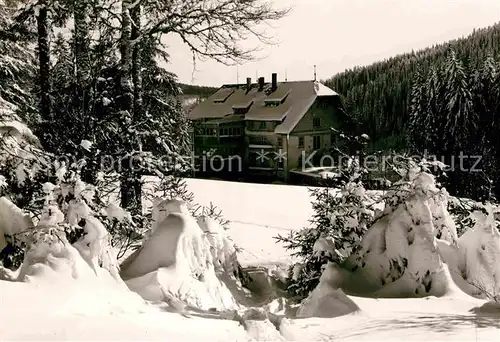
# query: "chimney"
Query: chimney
{"points": [[249, 83], [274, 84], [261, 83]]}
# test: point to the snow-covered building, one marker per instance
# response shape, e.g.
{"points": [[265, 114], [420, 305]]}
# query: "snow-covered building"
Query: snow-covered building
{"points": [[263, 129]]}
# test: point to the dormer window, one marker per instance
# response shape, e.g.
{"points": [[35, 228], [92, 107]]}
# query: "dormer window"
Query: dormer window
{"points": [[276, 100], [222, 95], [272, 103], [242, 108]]}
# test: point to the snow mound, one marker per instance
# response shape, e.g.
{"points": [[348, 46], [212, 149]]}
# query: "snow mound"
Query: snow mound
{"points": [[12, 220], [181, 261], [53, 258], [74, 272], [326, 300], [480, 254]]}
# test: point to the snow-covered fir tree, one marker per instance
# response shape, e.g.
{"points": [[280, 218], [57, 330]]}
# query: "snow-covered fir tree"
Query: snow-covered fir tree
{"points": [[343, 212], [17, 62], [452, 105]]}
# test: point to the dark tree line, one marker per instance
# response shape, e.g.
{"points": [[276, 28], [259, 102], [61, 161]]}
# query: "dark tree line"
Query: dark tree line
{"points": [[188, 89], [443, 101], [454, 114], [379, 95]]}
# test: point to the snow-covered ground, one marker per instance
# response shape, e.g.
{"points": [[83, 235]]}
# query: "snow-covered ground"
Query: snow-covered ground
{"points": [[257, 213], [80, 309]]}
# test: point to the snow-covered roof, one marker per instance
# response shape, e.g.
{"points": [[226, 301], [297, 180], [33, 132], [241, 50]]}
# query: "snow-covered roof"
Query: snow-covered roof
{"points": [[322, 90], [294, 100]]}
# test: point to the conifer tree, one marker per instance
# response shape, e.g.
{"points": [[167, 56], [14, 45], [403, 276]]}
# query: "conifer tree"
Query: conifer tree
{"points": [[460, 116], [17, 63]]}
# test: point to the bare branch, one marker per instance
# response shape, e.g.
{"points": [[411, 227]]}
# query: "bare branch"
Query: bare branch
{"points": [[214, 29]]}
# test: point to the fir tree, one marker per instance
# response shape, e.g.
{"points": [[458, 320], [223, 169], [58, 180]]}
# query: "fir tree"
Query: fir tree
{"points": [[17, 63], [460, 116]]}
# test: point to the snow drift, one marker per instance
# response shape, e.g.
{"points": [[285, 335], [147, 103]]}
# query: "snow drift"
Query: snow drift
{"points": [[327, 300], [181, 260]]}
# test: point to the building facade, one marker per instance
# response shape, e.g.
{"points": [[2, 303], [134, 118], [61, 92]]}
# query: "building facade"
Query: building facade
{"points": [[264, 129]]}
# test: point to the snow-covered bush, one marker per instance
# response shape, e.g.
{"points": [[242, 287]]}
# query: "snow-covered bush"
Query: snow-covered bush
{"points": [[480, 253], [66, 201], [67, 224], [412, 249], [184, 261], [400, 247], [351, 233]]}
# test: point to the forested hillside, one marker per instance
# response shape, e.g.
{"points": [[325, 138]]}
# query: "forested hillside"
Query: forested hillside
{"points": [[379, 95], [188, 89]]}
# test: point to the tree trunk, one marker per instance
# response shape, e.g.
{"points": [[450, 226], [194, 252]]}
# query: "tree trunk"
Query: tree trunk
{"points": [[43, 28], [126, 95], [82, 59], [136, 14], [82, 63], [129, 178]]}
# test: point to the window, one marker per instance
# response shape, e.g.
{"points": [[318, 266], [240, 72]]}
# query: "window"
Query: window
{"points": [[316, 142], [301, 142], [262, 125], [250, 124], [316, 122], [281, 164], [269, 103], [279, 141]]}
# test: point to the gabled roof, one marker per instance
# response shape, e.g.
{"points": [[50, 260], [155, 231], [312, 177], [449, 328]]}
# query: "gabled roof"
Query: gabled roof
{"points": [[293, 98]]}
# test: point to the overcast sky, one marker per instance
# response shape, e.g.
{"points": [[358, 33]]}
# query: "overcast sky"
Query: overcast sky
{"points": [[339, 34]]}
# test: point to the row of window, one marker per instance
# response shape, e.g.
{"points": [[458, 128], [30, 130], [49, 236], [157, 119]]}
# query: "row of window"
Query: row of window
{"points": [[252, 125], [207, 131], [257, 125], [262, 140], [224, 131], [258, 140], [230, 131], [316, 142], [262, 125]]}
